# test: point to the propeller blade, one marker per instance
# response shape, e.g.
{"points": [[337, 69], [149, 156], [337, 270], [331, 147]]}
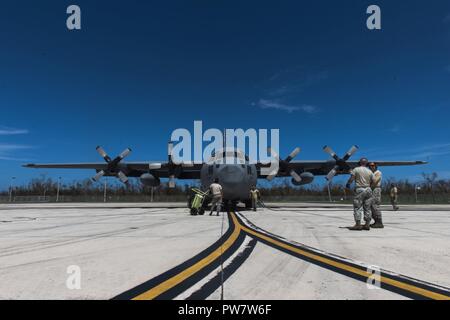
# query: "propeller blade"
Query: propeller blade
{"points": [[332, 173], [273, 153], [120, 157], [98, 176], [122, 177], [350, 152], [103, 154], [293, 154], [272, 174], [124, 153], [153, 166], [330, 151], [172, 181], [296, 176]]}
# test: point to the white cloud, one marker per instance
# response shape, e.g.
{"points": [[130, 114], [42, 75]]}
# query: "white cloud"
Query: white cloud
{"points": [[7, 151], [271, 104], [5, 147], [297, 84], [5, 131], [309, 108], [12, 158]]}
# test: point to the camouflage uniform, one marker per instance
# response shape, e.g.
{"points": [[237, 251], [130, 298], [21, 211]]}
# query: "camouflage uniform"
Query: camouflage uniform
{"points": [[362, 204], [376, 201], [216, 202], [363, 194]]}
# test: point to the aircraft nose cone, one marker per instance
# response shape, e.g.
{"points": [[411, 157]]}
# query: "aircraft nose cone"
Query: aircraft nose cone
{"points": [[232, 174]]}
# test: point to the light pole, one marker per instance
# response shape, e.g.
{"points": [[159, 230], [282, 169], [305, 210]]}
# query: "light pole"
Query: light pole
{"points": [[104, 191], [57, 190], [151, 195], [416, 189], [11, 188], [329, 191]]}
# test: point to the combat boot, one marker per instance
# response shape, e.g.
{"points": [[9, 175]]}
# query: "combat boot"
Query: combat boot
{"points": [[377, 225], [356, 227], [366, 226]]}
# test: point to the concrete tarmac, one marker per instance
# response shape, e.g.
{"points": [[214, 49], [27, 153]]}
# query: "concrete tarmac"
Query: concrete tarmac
{"points": [[118, 247]]}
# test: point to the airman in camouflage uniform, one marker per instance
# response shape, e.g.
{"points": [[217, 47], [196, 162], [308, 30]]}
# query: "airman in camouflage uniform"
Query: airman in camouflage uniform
{"points": [[376, 199], [362, 200]]}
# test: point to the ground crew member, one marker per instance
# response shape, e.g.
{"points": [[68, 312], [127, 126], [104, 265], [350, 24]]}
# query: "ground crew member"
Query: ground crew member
{"points": [[362, 200], [394, 197], [254, 195], [217, 194], [376, 200]]}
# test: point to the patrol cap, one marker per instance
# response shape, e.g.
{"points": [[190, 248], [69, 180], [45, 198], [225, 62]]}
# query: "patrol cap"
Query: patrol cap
{"points": [[363, 161]]}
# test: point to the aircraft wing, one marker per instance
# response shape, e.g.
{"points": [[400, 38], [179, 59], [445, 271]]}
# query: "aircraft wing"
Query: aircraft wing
{"points": [[323, 167], [92, 165], [397, 163], [131, 169], [192, 171]]}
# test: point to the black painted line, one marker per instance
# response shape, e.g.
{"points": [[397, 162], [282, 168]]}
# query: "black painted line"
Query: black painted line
{"points": [[383, 273], [211, 286], [144, 287], [201, 274]]}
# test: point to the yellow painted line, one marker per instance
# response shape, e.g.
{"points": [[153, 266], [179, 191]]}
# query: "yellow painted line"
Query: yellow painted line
{"points": [[183, 275], [339, 265]]}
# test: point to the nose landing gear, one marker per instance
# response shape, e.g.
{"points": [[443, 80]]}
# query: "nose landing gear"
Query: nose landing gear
{"points": [[230, 205]]}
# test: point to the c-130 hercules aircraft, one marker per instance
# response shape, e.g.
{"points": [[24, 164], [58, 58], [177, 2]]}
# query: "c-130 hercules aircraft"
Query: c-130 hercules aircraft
{"points": [[236, 176]]}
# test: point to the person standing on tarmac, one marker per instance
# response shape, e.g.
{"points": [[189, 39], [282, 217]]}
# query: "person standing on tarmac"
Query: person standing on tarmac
{"points": [[255, 195], [362, 200], [376, 200], [394, 197], [217, 194]]}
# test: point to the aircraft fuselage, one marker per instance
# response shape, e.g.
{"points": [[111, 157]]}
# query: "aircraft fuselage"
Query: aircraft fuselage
{"points": [[235, 179]]}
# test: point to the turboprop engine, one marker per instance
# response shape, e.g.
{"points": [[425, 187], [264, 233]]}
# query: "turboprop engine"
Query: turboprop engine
{"points": [[147, 179], [306, 178]]}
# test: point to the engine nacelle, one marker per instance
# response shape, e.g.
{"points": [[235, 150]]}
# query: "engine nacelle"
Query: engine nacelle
{"points": [[307, 178], [147, 179]]}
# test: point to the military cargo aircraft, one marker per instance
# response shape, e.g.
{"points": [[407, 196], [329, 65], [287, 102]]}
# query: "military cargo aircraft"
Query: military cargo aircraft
{"points": [[236, 176]]}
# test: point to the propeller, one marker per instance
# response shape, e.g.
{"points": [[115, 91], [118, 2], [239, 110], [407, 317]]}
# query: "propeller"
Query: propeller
{"points": [[283, 165], [113, 165], [341, 163], [175, 169]]}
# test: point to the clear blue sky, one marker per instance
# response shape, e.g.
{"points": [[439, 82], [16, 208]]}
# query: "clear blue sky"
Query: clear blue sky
{"points": [[139, 69]]}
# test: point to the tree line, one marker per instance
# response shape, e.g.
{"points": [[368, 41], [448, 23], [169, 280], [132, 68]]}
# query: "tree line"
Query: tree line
{"points": [[430, 189]]}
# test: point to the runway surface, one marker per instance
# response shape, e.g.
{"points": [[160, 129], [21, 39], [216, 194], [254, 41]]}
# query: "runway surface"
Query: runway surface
{"points": [[158, 251]]}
